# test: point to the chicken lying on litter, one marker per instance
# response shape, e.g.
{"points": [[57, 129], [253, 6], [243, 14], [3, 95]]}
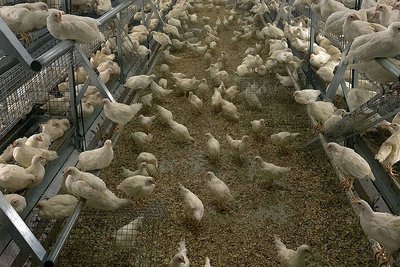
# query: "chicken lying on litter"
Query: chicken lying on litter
{"points": [[142, 140], [137, 186], [290, 257], [193, 208], [57, 207], [95, 159], [219, 190]]}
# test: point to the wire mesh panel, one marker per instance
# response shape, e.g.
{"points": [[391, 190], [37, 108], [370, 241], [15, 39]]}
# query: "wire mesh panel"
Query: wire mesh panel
{"points": [[118, 238], [366, 116]]}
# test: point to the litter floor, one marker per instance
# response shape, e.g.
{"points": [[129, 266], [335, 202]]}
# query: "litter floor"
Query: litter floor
{"points": [[307, 206]]}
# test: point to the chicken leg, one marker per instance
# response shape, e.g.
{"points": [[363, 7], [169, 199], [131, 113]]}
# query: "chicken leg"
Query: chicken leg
{"points": [[347, 183]]}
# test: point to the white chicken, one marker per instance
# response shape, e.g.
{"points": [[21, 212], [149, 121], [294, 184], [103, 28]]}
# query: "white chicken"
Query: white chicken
{"points": [[389, 152], [83, 30], [164, 114], [137, 186], [161, 38], [158, 91], [180, 131], [193, 208], [195, 102], [334, 118], [141, 139], [84, 184], [306, 96], [139, 81], [229, 110], [40, 140], [151, 163], [95, 159], [124, 237], [146, 122], [219, 190], [283, 139], [142, 170], [238, 147], [18, 202], [119, 112], [23, 154], [57, 207], [258, 127], [269, 172], [15, 178], [146, 100], [180, 259], [379, 226], [350, 163], [320, 110], [213, 148], [290, 257]]}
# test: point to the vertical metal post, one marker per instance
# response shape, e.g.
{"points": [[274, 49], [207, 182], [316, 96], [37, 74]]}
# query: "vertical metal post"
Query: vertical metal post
{"points": [[20, 232], [74, 105], [311, 46], [119, 40]]}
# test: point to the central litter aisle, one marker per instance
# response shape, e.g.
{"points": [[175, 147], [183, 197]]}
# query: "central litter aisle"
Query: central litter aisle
{"points": [[307, 206]]}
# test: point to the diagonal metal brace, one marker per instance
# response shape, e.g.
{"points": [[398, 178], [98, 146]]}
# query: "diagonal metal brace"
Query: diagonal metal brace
{"points": [[13, 47], [19, 231], [92, 74], [155, 11]]}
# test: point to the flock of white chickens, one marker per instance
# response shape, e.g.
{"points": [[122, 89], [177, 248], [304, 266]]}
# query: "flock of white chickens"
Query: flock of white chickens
{"points": [[370, 38]]}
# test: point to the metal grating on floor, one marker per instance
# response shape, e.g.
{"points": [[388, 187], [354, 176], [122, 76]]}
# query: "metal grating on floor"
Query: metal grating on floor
{"points": [[92, 241]]}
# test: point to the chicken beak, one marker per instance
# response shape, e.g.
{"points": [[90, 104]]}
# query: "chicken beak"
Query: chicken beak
{"points": [[65, 174]]}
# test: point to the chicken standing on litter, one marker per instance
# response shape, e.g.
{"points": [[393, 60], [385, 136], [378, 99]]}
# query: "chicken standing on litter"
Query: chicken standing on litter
{"points": [[219, 190], [193, 207], [290, 257], [180, 259]]}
